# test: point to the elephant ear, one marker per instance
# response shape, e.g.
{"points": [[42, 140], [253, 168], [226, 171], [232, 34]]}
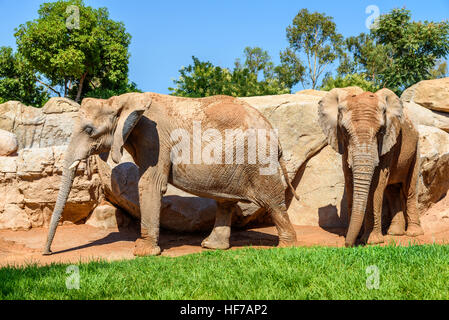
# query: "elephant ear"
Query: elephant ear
{"points": [[129, 109], [393, 118], [328, 117]]}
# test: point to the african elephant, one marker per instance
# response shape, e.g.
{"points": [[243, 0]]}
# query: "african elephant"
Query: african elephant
{"points": [[156, 130], [379, 147]]}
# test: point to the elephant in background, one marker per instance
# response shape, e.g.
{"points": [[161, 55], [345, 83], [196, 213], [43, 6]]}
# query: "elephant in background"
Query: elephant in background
{"points": [[145, 124], [379, 147]]}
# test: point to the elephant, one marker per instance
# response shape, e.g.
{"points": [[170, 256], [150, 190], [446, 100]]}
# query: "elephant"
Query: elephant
{"points": [[156, 129], [379, 148]]}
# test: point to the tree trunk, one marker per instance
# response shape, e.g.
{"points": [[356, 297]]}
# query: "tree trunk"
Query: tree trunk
{"points": [[80, 87]]}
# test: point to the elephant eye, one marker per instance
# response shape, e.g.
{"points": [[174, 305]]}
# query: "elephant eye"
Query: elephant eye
{"points": [[89, 130]]}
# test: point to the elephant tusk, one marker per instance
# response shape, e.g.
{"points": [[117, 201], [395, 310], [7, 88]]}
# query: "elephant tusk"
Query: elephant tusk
{"points": [[74, 164]]}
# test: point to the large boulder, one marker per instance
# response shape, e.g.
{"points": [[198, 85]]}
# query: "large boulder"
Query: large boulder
{"points": [[431, 94], [8, 143], [434, 173], [39, 128], [423, 116]]}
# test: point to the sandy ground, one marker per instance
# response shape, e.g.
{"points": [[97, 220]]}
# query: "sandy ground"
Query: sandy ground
{"points": [[75, 243]]}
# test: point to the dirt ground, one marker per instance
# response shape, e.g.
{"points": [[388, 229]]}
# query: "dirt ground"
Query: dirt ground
{"points": [[75, 243]]}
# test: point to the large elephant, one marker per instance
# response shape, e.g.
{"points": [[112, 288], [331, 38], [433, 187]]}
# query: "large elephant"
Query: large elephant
{"points": [[164, 134], [379, 147]]}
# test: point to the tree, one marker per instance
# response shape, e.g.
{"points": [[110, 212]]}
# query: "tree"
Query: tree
{"points": [[368, 58], [315, 35], [349, 80], [73, 58], [439, 71], [18, 80], [399, 52], [203, 79], [413, 47], [290, 71]]}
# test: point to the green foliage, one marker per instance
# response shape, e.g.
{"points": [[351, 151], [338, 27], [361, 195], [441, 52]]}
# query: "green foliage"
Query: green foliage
{"points": [[413, 272], [399, 52], [105, 93], [439, 71], [18, 81], [290, 71], [203, 79], [349, 80], [72, 57], [315, 35]]}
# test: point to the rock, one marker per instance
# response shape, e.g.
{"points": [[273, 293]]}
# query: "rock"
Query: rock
{"points": [[13, 217], [321, 192], [186, 213], [434, 157], [39, 128], [422, 116], [311, 92], [107, 216], [60, 105], [295, 116], [431, 94], [30, 181], [8, 143], [120, 182]]}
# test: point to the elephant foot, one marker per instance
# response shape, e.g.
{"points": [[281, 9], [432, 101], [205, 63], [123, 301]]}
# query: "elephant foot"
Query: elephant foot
{"points": [[213, 243], [374, 238], [414, 230], [396, 230], [145, 247], [287, 240]]}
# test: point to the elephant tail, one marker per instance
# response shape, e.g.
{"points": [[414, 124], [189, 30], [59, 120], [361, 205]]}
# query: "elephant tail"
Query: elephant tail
{"points": [[285, 173]]}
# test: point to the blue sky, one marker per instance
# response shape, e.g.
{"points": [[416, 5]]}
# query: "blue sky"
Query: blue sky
{"points": [[167, 33]]}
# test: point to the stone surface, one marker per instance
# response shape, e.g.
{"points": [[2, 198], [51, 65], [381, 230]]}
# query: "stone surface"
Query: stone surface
{"points": [[434, 151], [60, 105], [30, 181], [8, 143], [312, 92], [107, 216], [295, 117], [321, 192], [422, 116], [39, 128], [431, 94]]}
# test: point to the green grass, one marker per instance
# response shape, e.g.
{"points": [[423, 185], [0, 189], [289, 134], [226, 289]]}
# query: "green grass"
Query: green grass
{"points": [[413, 272]]}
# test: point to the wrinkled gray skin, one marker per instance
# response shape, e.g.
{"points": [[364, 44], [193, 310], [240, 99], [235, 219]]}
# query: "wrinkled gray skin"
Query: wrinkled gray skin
{"points": [[379, 147], [143, 124]]}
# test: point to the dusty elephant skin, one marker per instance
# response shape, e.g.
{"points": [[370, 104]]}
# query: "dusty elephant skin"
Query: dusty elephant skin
{"points": [[379, 145], [144, 125]]}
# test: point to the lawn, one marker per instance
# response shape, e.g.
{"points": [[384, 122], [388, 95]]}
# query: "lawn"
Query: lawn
{"points": [[413, 272]]}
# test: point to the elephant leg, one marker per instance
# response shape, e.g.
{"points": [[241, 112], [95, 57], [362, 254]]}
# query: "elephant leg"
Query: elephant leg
{"points": [[286, 232], [395, 203], [373, 218], [219, 237], [150, 197], [414, 228]]}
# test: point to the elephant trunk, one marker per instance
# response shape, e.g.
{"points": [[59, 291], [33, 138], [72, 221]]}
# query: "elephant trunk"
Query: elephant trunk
{"points": [[68, 175], [362, 170]]}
